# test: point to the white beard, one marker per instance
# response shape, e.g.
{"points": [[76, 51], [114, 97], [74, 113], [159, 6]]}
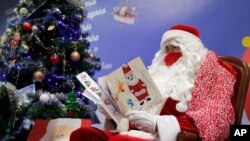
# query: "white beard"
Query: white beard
{"points": [[176, 81]]}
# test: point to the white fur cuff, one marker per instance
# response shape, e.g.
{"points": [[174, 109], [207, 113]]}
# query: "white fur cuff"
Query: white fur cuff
{"points": [[168, 128]]}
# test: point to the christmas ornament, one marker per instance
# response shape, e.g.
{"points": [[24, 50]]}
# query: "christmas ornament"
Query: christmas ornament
{"points": [[51, 32], [23, 48], [27, 26], [44, 98], [34, 28], [54, 59], [25, 102], [91, 55], [20, 49], [27, 124], [26, 48], [53, 98], [2, 41], [79, 17], [81, 38], [56, 10], [15, 39], [98, 67], [91, 72], [75, 56], [38, 75], [23, 11], [14, 43], [8, 31], [63, 17], [51, 27]]}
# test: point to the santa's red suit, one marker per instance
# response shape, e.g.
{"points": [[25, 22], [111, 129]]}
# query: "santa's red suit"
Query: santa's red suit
{"points": [[210, 111], [206, 110], [204, 115]]}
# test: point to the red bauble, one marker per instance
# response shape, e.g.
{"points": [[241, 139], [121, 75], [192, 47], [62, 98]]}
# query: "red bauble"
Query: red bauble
{"points": [[27, 26], [54, 59]]}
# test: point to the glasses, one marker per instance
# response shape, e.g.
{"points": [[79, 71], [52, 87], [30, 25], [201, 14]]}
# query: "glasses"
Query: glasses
{"points": [[172, 48]]}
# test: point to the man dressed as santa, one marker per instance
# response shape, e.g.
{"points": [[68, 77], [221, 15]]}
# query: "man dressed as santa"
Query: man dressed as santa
{"points": [[197, 87]]}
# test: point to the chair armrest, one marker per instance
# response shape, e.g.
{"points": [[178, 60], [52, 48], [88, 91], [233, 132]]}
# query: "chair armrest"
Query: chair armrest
{"points": [[187, 136]]}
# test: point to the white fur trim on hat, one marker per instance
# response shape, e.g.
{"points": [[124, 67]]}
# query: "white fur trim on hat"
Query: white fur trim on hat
{"points": [[170, 34]]}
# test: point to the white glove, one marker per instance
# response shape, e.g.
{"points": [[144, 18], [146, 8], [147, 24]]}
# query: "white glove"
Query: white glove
{"points": [[142, 120], [104, 112], [123, 125]]}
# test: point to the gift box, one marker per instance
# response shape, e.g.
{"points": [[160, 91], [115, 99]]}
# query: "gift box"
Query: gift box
{"points": [[56, 129]]}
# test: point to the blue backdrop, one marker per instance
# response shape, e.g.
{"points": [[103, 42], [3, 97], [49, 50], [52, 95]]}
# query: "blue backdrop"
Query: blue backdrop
{"points": [[223, 24]]}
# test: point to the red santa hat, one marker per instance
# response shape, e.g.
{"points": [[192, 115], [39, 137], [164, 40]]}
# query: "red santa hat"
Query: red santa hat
{"points": [[126, 69], [185, 31]]}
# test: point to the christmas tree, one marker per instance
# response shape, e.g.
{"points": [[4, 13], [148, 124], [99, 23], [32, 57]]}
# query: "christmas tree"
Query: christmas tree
{"points": [[39, 60]]}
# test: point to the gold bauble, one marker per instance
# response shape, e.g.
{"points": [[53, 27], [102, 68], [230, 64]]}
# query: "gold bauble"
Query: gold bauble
{"points": [[51, 27], [38, 75], [75, 56], [26, 48]]}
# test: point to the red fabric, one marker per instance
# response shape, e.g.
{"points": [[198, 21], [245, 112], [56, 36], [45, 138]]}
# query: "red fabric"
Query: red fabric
{"points": [[172, 57], [90, 134], [185, 122], [126, 138], [210, 107], [38, 130], [86, 123], [95, 134]]}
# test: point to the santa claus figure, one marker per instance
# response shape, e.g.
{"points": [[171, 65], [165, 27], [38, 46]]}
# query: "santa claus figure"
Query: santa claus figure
{"points": [[136, 86], [197, 87]]}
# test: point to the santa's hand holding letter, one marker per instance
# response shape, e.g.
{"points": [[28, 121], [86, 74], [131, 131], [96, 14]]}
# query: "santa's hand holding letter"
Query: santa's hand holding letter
{"points": [[197, 89]]}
